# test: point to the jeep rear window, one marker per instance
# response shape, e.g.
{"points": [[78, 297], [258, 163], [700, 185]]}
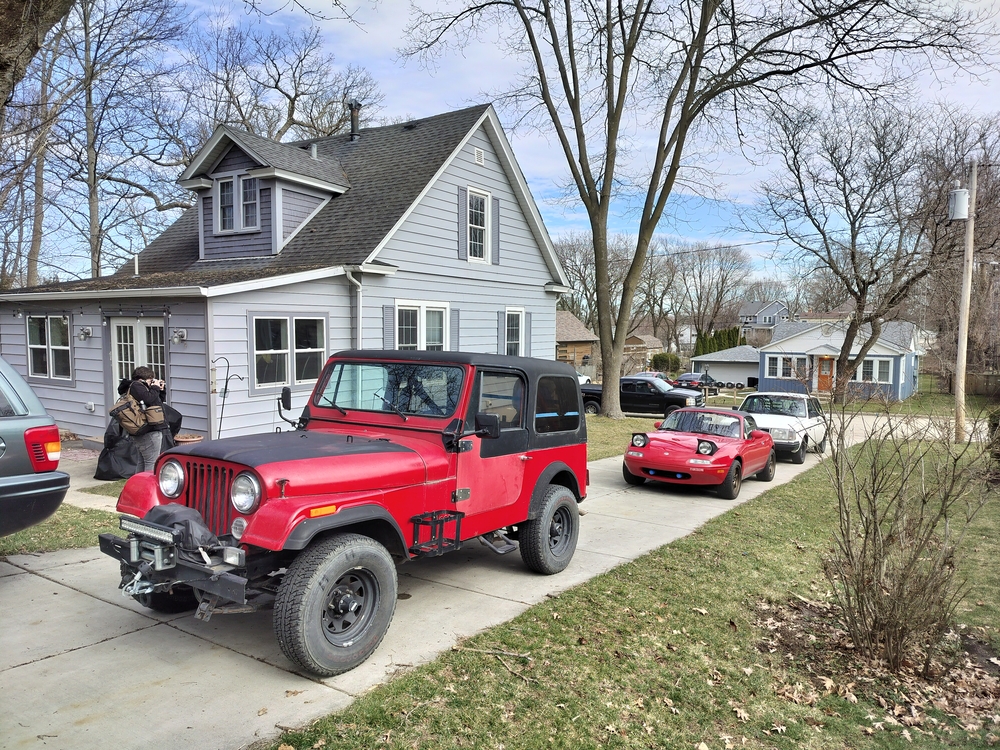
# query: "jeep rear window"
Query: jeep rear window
{"points": [[427, 390], [557, 408]]}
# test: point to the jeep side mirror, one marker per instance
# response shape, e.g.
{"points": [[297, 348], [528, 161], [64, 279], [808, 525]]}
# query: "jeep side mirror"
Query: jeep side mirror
{"points": [[487, 425], [286, 398]]}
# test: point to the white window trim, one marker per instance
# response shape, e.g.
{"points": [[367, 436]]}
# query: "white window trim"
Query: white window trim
{"points": [[49, 348], [520, 344], [778, 361], [488, 233], [858, 376], [422, 306], [289, 353], [237, 179]]}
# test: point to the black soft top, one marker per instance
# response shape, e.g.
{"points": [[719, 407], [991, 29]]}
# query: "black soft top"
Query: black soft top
{"points": [[530, 366]]}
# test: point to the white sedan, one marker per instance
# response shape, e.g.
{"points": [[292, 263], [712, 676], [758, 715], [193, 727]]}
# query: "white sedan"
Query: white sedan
{"points": [[795, 421]]}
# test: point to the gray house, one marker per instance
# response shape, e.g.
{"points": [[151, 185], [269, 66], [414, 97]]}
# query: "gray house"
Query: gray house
{"points": [[761, 316], [421, 235]]}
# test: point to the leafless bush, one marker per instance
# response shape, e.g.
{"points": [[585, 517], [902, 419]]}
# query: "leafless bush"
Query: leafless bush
{"points": [[906, 496]]}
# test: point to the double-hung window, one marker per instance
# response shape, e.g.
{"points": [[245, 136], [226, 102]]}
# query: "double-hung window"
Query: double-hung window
{"points": [[478, 226], [514, 339], [875, 370], [421, 326], [48, 347], [239, 201], [283, 359], [787, 367]]}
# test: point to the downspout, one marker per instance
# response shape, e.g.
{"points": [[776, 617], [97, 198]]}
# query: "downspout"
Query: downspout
{"points": [[359, 344]]}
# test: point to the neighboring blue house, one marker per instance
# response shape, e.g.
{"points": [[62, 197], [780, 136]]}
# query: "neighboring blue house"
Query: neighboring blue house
{"points": [[419, 235], [802, 356], [761, 316]]}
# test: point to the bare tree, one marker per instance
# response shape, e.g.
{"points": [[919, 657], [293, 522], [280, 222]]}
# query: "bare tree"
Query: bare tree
{"points": [[595, 73], [658, 296], [711, 282], [852, 201]]}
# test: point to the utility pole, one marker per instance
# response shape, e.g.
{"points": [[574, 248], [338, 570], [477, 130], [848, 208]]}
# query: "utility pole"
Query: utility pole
{"points": [[963, 308]]}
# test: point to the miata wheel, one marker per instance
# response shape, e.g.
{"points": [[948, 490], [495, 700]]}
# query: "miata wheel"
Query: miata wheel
{"points": [[549, 541], [730, 487], [631, 478], [335, 603], [767, 473]]}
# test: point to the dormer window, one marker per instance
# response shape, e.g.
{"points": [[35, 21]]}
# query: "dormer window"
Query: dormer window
{"points": [[238, 199]]}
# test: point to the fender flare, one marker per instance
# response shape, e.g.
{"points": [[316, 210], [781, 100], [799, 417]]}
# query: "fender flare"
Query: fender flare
{"points": [[552, 471], [374, 517]]}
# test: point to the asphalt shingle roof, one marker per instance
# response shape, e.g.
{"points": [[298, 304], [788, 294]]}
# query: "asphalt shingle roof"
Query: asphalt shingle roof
{"points": [[734, 354], [571, 328]]}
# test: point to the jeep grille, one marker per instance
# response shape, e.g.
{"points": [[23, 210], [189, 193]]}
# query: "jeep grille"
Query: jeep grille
{"points": [[206, 489]]}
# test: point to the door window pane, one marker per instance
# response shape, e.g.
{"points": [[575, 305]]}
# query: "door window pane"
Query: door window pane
{"points": [[156, 351], [503, 394], [125, 350]]}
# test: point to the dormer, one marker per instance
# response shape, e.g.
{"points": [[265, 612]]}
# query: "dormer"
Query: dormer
{"points": [[255, 195]]}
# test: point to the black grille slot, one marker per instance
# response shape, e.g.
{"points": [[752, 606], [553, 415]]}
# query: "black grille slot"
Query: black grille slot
{"points": [[207, 491]]}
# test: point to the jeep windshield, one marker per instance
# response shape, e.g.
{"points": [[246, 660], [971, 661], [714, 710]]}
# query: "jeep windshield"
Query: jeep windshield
{"points": [[405, 388]]}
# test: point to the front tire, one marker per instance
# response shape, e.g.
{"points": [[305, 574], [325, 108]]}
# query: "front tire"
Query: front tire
{"points": [[821, 446], [631, 478], [730, 487], [799, 457], [549, 541], [335, 604], [767, 473], [592, 407]]}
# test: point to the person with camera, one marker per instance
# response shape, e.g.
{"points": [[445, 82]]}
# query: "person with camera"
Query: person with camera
{"points": [[150, 393]]}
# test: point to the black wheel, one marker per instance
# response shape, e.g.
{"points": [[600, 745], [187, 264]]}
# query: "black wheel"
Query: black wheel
{"points": [[178, 599], [548, 542], [767, 473], [730, 487], [335, 604], [821, 445], [592, 407], [669, 410], [799, 457], [631, 478]]}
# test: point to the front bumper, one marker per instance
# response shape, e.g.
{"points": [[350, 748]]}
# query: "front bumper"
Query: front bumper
{"points": [[676, 471], [29, 499], [787, 446]]}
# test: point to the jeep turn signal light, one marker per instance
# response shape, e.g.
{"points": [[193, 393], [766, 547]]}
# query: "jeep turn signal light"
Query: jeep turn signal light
{"points": [[324, 510], [44, 448]]}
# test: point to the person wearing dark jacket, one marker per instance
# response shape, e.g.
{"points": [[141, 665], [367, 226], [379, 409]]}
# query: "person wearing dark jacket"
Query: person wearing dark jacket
{"points": [[146, 389]]}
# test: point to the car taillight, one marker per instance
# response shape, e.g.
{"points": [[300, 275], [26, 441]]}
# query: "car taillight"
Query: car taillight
{"points": [[43, 447]]}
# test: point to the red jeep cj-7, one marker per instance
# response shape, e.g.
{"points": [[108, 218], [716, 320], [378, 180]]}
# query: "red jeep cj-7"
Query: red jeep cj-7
{"points": [[397, 455]]}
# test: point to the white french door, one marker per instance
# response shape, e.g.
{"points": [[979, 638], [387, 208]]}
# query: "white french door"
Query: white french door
{"points": [[136, 342]]}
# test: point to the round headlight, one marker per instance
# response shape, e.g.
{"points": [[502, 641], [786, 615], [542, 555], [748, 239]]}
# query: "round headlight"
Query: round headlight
{"points": [[639, 441], [705, 448], [171, 478], [245, 492]]}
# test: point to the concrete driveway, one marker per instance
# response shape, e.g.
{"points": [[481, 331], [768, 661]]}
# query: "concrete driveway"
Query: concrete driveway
{"points": [[83, 667]]}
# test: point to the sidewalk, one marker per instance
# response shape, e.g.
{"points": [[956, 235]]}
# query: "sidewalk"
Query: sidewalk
{"points": [[83, 667]]}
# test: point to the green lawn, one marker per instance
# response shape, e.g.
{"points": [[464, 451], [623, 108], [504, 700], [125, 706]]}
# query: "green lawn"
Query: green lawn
{"points": [[68, 528], [670, 651]]}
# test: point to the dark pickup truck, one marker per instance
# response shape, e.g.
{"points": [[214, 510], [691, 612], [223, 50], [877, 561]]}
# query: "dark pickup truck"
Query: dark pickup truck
{"points": [[643, 395]]}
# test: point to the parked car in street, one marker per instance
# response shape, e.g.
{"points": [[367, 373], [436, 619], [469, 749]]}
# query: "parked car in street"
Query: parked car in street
{"points": [[31, 488], [707, 447], [643, 395], [794, 420], [656, 374], [700, 380], [584, 379], [397, 455]]}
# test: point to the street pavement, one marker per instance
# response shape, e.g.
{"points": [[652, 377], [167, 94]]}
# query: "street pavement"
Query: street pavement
{"points": [[83, 667]]}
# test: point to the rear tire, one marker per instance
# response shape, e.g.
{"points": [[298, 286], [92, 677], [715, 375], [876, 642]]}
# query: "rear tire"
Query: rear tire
{"points": [[767, 473], [592, 407], [631, 478], [730, 487], [549, 541], [335, 603]]}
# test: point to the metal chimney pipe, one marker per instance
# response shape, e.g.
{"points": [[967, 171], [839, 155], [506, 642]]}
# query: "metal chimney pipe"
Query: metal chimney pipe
{"points": [[312, 151], [355, 107]]}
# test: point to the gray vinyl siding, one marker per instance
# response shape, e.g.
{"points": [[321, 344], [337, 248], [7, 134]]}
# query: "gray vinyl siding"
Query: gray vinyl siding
{"points": [[295, 207], [239, 244], [93, 378], [253, 412], [430, 270], [235, 160]]}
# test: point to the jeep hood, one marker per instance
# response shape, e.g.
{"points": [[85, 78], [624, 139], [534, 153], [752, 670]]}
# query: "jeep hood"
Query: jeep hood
{"points": [[278, 447]]}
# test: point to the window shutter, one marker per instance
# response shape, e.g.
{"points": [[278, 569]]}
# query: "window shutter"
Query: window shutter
{"points": [[388, 326], [526, 333], [502, 332], [454, 330], [463, 223], [495, 231]]}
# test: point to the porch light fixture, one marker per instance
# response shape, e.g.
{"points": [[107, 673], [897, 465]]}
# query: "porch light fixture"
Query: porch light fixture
{"points": [[85, 333], [179, 335]]}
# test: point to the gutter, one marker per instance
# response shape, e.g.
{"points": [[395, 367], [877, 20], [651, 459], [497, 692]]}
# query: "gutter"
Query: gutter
{"points": [[349, 272]]}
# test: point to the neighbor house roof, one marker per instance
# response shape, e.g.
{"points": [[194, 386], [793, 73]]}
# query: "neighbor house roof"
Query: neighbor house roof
{"points": [[895, 333], [571, 328], [751, 308], [649, 341], [734, 354], [384, 172]]}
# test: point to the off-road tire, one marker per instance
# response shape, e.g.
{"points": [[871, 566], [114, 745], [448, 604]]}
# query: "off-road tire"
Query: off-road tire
{"points": [[631, 478], [730, 487], [339, 571], [591, 407], [548, 542], [799, 457], [767, 473], [178, 599]]}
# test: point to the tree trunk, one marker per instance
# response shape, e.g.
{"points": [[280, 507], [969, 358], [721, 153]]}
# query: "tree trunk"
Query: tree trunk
{"points": [[90, 124], [25, 26]]}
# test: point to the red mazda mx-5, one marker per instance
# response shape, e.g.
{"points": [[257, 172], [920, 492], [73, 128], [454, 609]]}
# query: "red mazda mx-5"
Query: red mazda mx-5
{"points": [[715, 447]]}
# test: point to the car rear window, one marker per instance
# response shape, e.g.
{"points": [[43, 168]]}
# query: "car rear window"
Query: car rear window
{"points": [[557, 407]]}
